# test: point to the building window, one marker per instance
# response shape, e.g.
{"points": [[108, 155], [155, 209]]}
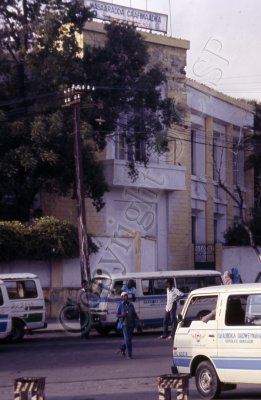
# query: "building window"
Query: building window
{"points": [[193, 229], [197, 139], [128, 146], [193, 153], [218, 156], [238, 162]]}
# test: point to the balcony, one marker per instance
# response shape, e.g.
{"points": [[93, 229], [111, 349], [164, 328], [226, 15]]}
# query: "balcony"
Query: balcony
{"points": [[155, 176]]}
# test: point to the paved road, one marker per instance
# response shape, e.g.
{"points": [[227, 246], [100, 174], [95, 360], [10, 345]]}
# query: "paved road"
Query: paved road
{"points": [[78, 369]]}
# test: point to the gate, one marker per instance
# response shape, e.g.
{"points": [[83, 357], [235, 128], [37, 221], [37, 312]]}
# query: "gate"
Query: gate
{"points": [[204, 256]]}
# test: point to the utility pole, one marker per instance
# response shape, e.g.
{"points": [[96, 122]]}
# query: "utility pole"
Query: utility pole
{"points": [[72, 98]]}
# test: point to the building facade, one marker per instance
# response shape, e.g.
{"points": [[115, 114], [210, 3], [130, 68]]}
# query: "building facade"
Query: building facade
{"points": [[176, 205]]}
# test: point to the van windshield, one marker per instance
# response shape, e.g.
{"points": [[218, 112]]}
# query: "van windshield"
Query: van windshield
{"points": [[1, 298]]}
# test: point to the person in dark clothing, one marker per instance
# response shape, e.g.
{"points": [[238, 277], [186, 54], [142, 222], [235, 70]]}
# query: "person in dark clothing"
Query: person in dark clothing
{"points": [[82, 301], [127, 317]]}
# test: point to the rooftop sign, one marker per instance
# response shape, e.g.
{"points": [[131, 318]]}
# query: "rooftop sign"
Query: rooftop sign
{"points": [[142, 19]]}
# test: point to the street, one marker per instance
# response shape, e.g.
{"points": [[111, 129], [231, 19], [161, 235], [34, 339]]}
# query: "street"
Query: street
{"points": [[80, 369]]}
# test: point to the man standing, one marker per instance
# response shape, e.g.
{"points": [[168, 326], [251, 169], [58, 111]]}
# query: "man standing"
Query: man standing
{"points": [[127, 316], [173, 294], [82, 300]]}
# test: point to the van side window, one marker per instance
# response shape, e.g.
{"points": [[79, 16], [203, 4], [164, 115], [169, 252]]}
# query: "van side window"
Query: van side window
{"points": [[235, 311], [153, 286], [118, 287], [21, 289], [253, 309], [30, 291], [186, 284], [159, 286], [199, 307], [1, 298], [147, 287], [189, 283]]}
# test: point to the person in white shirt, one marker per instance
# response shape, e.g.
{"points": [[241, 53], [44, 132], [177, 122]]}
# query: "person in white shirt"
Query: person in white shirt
{"points": [[170, 318]]}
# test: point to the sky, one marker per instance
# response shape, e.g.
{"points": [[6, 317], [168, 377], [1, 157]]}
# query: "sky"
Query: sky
{"points": [[224, 40]]}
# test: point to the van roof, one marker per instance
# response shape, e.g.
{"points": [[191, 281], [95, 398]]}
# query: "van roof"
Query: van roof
{"points": [[17, 275], [234, 288], [161, 274]]}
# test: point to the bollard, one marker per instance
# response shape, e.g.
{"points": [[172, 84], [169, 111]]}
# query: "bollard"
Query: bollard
{"points": [[180, 382], [29, 389]]}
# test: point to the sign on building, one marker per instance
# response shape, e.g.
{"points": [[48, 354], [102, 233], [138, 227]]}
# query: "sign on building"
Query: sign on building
{"points": [[140, 18]]}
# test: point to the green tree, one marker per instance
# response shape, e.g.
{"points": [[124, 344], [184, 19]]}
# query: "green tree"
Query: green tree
{"points": [[39, 55], [254, 159], [130, 92]]}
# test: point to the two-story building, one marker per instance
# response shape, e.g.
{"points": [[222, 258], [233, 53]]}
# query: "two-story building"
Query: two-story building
{"points": [[172, 216]]}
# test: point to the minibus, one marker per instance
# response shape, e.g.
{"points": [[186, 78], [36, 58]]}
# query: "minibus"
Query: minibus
{"points": [[218, 338], [27, 303], [150, 294]]}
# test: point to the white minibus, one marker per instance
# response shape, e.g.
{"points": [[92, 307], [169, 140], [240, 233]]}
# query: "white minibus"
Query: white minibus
{"points": [[218, 338], [5, 312], [27, 303], [150, 294]]}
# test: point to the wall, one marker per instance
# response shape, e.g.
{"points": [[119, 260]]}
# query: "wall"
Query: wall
{"points": [[242, 258]]}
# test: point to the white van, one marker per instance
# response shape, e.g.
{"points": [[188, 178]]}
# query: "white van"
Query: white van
{"points": [[223, 348], [27, 303], [5, 312], [150, 294]]}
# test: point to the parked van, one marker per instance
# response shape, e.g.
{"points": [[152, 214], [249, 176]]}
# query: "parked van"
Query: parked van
{"points": [[5, 312], [148, 292], [27, 303], [218, 338]]}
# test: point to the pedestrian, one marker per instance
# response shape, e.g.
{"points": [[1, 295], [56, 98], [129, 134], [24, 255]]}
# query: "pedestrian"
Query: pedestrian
{"points": [[127, 317], [130, 288], [82, 300], [170, 317]]}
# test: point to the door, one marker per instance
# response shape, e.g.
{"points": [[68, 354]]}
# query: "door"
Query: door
{"points": [[153, 301], [239, 339], [5, 318], [196, 335]]}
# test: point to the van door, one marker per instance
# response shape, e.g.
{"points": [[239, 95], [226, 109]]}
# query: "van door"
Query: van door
{"points": [[239, 339], [153, 301], [193, 336]]}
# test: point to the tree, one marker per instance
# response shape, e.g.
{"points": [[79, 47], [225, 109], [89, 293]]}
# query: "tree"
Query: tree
{"points": [[40, 56], [130, 92], [254, 159], [36, 138]]}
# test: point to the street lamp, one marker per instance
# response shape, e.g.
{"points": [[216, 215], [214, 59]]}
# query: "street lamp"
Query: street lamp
{"points": [[72, 98]]}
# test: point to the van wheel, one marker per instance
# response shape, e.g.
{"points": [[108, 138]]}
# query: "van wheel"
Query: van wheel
{"points": [[17, 332], [207, 382]]}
